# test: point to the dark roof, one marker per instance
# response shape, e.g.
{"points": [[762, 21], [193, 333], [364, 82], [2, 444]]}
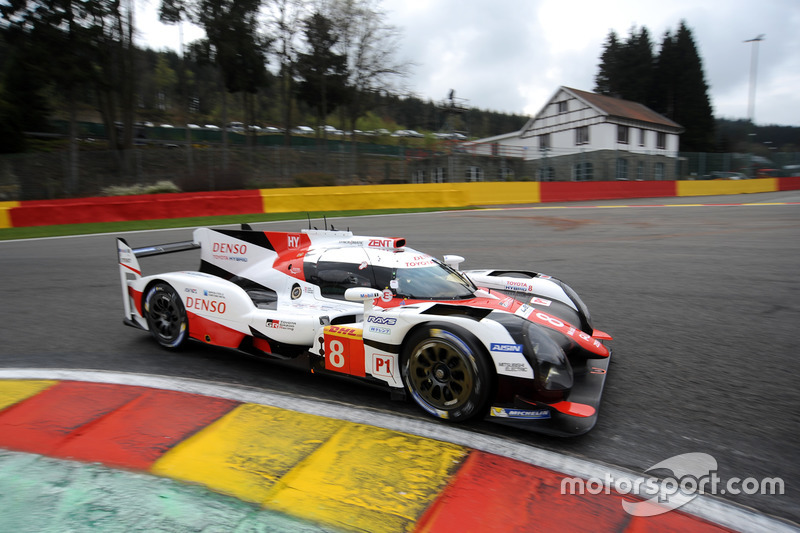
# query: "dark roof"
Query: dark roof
{"points": [[625, 109]]}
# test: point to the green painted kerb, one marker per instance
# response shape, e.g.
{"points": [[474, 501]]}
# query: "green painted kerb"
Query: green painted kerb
{"points": [[44, 495]]}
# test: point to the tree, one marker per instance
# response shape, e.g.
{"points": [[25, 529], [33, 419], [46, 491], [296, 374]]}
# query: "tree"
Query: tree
{"points": [[368, 45], [671, 82], [608, 76], [286, 23], [626, 68], [682, 92], [322, 72]]}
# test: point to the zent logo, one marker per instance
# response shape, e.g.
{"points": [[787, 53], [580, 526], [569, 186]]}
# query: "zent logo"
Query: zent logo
{"points": [[381, 243]]}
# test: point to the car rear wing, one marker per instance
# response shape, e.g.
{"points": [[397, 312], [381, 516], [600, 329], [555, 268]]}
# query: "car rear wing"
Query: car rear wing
{"points": [[129, 268]]}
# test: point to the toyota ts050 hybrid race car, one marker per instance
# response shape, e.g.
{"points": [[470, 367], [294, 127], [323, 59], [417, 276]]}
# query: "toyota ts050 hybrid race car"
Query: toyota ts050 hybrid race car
{"points": [[515, 347]]}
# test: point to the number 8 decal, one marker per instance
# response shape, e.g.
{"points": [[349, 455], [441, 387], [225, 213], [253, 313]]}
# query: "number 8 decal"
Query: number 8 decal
{"points": [[336, 355]]}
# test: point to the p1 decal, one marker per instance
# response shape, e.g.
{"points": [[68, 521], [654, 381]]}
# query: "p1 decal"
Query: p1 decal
{"points": [[344, 350], [384, 365]]}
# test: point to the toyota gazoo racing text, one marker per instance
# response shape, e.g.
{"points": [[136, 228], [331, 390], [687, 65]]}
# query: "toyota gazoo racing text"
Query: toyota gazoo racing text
{"points": [[513, 346]]}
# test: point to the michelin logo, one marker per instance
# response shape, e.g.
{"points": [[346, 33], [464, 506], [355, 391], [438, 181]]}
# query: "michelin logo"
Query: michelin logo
{"points": [[495, 347], [525, 414]]}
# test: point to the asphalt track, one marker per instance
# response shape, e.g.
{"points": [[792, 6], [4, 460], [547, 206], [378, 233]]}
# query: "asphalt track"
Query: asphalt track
{"points": [[701, 297]]}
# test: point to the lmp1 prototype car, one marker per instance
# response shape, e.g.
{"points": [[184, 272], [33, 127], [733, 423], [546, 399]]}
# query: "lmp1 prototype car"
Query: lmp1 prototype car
{"points": [[515, 347]]}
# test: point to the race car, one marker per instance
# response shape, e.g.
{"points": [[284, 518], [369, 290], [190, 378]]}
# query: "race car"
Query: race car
{"points": [[515, 347]]}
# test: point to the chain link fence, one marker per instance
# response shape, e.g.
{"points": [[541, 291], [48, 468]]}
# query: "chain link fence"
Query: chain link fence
{"points": [[209, 167]]}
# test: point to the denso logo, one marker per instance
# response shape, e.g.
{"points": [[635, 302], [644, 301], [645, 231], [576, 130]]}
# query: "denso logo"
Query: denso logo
{"points": [[381, 243], [203, 304], [505, 347], [228, 248], [382, 320]]}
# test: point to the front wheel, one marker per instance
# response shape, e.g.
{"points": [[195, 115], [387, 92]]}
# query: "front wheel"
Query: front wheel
{"points": [[446, 372], [166, 316]]}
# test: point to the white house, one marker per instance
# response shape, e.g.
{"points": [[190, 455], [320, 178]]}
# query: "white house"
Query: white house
{"points": [[580, 135]]}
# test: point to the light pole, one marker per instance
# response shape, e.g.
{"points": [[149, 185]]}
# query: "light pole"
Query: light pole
{"points": [[753, 67]]}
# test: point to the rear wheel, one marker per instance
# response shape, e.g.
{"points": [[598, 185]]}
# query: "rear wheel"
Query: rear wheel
{"points": [[446, 372], [166, 316]]}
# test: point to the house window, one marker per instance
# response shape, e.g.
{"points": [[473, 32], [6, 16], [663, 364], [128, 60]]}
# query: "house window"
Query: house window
{"points": [[418, 176], [582, 172], [506, 173], [474, 174], [582, 135], [642, 136], [661, 140], [640, 170], [622, 169], [562, 106], [544, 141], [438, 175], [547, 174], [622, 134], [659, 171]]}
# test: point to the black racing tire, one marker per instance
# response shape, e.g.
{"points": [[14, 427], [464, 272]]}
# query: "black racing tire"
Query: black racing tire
{"points": [[166, 316], [446, 372]]}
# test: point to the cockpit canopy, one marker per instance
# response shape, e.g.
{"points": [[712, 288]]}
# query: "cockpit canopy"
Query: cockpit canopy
{"points": [[407, 274]]}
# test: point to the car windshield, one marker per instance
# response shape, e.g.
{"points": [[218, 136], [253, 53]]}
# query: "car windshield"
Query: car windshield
{"points": [[434, 282]]}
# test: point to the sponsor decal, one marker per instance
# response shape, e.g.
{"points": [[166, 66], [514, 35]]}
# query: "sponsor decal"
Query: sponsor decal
{"points": [[229, 248], [344, 350], [524, 311], [363, 265], [540, 301], [344, 331], [190, 289], [522, 286], [507, 302], [293, 241], [385, 320], [495, 347], [213, 294], [281, 324], [380, 331], [387, 295], [205, 304], [381, 243], [419, 261], [514, 368], [525, 414], [383, 365]]}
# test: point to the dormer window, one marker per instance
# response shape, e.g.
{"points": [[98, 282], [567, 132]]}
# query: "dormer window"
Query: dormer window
{"points": [[562, 106]]}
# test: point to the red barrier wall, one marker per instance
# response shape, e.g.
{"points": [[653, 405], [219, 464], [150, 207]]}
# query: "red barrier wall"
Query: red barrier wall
{"points": [[568, 191], [789, 184], [143, 207]]}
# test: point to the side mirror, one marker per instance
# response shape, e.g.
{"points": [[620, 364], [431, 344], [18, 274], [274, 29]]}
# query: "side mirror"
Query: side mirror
{"points": [[362, 294], [453, 261]]}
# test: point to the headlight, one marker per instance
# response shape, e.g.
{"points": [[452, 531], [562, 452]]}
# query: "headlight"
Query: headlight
{"points": [[556, 377], [552, 366]]}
